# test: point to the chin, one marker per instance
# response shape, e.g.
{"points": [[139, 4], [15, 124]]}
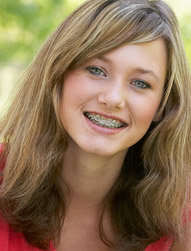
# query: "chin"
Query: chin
{"points": [[102, 151]]}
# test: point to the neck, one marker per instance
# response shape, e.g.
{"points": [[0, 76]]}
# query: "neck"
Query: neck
{"points": [[89, 177]]}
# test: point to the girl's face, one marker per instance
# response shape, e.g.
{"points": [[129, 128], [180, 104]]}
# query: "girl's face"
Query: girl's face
{"points": [[108, 104]]}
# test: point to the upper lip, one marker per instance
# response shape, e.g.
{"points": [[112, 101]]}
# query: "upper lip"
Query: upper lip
{"points": [[108, 116]]}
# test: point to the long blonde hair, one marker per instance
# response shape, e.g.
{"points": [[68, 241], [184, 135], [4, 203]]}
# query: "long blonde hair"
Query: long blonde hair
{"points": [[152, 201]]}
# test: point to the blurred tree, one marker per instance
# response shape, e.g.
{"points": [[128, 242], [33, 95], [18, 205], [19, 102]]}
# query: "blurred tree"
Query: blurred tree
{"points": [[186, 32], [182, 10], [24, 24]]}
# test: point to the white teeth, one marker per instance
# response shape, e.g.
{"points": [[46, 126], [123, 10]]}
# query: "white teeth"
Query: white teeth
{"points": [[96, 118], [104, 122], [109, 123]]}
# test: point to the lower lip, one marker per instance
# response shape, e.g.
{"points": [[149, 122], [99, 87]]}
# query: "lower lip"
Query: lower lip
{"points": [[104, 130]]}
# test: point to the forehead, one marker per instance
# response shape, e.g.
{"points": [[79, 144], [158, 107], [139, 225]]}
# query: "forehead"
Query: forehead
{"points": [[150, 57]]}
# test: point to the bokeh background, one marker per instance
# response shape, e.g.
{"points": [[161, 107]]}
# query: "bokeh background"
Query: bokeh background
{"points": [[25, 24]]}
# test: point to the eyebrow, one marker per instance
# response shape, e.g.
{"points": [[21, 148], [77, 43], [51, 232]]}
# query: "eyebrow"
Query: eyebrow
{"points": [[104, 59], [144, 71], [136, 70]]}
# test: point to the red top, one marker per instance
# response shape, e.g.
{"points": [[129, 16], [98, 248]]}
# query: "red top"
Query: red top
{"points": [[13, 241]]}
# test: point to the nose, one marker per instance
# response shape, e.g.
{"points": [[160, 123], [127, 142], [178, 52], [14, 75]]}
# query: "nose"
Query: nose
{"points": [[112, 96]]}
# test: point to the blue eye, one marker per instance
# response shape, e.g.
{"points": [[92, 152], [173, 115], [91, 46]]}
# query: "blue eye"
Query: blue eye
{"points": [[141, 84], [96, 71]]}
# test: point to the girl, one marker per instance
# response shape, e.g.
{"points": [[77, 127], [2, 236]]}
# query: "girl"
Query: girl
{"points": [[96, 144]]}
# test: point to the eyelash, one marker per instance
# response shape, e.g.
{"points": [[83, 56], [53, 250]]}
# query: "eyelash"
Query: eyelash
{"points": [[92, 70], [145, 85]]}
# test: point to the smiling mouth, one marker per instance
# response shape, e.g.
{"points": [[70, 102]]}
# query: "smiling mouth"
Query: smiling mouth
{"points": [[104, 122]]}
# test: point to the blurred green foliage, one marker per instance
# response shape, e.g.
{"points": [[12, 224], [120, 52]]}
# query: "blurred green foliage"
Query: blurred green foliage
{"points": [[24, 25], [186, 33]]}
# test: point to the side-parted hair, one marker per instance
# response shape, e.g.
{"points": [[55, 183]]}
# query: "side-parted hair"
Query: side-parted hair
{"points": [[151, 196]]}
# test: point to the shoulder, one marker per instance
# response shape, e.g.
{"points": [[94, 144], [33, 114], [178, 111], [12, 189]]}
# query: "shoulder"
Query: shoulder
{"points": [[13, 241], [167, 244], [185, 246], [164, 244]]}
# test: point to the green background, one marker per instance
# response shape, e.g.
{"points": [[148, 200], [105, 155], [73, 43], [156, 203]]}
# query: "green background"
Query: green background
{"points": [[25, 24]]}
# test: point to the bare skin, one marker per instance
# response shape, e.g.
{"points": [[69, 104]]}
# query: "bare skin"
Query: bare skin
{"points": [[124, 86], [185, 246], [88, 186]]}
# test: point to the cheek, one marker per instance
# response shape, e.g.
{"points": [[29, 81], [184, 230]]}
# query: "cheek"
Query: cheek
{"points": [[77, 89], [146, 116], [71, 91], [145, 110]]}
